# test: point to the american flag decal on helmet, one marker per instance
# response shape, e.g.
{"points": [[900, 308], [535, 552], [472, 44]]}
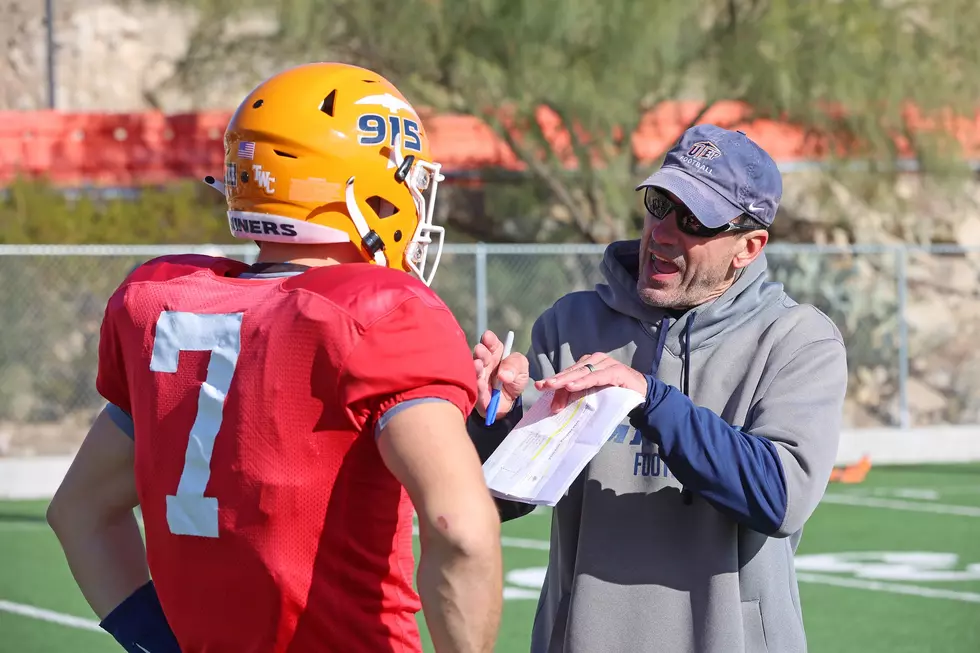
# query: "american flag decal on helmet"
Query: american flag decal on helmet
{"points": [[704, 150], [246, 150]]}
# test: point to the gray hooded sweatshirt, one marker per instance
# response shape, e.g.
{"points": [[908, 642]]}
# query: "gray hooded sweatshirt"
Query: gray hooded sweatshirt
{"points": [[680, 534]]}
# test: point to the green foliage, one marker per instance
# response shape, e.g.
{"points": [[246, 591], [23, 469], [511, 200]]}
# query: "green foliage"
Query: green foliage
{"points": [[53, 305], [851, 71], [34, 212], [846, 71], [859, 293], [53, 308]]}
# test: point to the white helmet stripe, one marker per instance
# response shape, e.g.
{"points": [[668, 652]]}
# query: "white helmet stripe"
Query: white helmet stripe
{"points": [[262, 226]]}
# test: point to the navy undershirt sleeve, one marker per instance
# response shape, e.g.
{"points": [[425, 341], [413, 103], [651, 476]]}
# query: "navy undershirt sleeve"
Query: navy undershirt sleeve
{"points": [[121, 418], [397, 408], [737, 472]]}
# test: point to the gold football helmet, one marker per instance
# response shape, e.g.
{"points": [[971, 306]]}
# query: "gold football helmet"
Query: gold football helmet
{"points": [[333, 153]]}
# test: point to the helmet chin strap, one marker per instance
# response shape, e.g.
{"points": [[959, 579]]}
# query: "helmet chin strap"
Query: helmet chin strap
{"points": [[369, 238]]}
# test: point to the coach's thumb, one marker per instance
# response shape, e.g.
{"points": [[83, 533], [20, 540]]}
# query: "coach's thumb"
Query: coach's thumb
{"points": [[513, 374]]}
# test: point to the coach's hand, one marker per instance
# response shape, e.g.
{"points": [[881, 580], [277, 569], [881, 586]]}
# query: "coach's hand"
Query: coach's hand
{"points": [[591, 371], [513, 373]]}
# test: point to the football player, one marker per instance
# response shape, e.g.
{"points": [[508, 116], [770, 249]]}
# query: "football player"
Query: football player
{"points": [[276, 423]]}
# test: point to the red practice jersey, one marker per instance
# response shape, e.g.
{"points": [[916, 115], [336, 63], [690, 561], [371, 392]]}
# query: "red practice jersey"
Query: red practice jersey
{"points": [[272, 524]]}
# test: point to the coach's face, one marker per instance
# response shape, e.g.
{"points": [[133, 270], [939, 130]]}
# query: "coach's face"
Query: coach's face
{"points": [[679, 270]]}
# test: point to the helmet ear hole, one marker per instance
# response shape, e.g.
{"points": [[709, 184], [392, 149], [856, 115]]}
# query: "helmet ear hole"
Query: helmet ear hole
{"points": [[382, 207]]}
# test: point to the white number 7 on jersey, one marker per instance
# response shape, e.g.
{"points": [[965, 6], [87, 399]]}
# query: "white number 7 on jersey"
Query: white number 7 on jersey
{"points": [[189, 512]]}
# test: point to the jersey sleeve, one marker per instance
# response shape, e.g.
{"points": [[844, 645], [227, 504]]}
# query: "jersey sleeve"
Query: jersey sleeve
{"points": [[111, 377], [415, 352]]}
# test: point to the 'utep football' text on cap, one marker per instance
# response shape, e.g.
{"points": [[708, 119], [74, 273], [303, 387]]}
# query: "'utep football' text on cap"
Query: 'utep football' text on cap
{"points": [[720, 174]]}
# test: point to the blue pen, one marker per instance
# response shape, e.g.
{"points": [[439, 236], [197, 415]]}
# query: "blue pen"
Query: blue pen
{"points": [[495, 394]]}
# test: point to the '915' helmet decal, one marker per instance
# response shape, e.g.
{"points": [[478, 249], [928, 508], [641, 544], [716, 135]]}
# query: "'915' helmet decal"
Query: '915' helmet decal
{"points": [[373, 129]]}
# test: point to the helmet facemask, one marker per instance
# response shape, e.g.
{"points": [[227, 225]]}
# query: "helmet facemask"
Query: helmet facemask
{"points": [[422, 180], [424, 176]]}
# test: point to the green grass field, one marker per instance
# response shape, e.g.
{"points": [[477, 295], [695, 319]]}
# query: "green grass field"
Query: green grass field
{"points": [[891, 565]]}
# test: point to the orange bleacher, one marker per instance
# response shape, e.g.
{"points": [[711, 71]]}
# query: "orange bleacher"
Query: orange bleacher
{"points": [[150, 147]]}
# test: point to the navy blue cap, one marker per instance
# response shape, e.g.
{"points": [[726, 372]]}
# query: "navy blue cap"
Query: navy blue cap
{"points": [[720, 174]]}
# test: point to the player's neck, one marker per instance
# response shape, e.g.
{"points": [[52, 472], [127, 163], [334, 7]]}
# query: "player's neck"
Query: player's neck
{"points": [[312, 255]]}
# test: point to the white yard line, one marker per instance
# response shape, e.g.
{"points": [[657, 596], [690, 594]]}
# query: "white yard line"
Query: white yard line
{"points": [[892, 588], [930, 493], [512, 593], [898, 504], [49, 615], [910, 493], [955, 489], [525, 543]]}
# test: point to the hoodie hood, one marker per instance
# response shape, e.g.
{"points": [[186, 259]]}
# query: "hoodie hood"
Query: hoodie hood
{"points": [[750, 292]]}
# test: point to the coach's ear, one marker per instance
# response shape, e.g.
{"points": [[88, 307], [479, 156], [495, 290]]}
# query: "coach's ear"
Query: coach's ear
{"points": [[748, 247]]}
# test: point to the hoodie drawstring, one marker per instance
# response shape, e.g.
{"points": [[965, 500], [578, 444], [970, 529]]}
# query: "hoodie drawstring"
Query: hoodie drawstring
{"points": [[686, 495], [661, 342], [687, 354]]}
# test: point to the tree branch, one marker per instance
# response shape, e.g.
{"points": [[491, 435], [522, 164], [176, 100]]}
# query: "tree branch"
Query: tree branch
{"points": [[588, 177], [691, 123], [538, 168]]}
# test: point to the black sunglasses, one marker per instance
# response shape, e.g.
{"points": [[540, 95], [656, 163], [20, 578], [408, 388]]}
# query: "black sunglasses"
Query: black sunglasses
{"points": [[660, 206]]}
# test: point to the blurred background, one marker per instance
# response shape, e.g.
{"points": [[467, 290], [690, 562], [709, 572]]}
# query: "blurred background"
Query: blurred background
{"points": [[545, 115]]}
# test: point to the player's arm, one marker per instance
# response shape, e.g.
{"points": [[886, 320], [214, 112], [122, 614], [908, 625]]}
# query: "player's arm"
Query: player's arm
{"points": [[427, 449], [92, 515], [92, 512], [410, 381]]}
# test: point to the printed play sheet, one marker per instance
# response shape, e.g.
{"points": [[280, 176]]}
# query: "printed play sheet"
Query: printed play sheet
{"points": [[540, 458]]}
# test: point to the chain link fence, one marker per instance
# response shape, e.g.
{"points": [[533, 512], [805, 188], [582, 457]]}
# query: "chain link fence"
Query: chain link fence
{"points": [[910, 318]]}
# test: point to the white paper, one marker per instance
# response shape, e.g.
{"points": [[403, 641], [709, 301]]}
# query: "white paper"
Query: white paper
{"points": [[540, 458]]}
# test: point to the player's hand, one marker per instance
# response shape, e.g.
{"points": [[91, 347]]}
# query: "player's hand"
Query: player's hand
{"points": [[513, 373], [570, 384]]}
